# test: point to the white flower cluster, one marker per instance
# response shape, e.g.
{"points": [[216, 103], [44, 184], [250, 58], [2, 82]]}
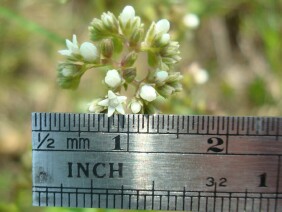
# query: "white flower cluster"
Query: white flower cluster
{"points": [[87, 50], [108, 34]]}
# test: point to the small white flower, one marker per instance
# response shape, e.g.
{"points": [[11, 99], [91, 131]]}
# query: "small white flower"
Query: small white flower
{"points": [[72, 47], [161, 76], [162, 26], [148, 93], [114, 103], [135, 107], [113, 78], [89, 52], [127, 14], [191, 20]]}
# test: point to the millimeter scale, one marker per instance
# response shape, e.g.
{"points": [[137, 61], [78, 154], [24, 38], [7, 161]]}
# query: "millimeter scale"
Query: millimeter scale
{"points": [[157, 162]]}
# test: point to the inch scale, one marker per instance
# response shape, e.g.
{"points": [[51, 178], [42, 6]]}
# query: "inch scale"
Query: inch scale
{"points": [[157, 162]]}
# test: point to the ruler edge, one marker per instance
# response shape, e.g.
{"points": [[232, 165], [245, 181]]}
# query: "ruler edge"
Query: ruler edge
{"points": [[277, 120]]}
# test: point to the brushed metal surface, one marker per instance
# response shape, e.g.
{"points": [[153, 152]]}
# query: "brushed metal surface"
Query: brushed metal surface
{"points": [[160, 162]]}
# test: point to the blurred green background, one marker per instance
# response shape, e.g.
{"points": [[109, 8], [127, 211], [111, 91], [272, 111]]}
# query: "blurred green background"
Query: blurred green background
{"points": [[237, 45]]}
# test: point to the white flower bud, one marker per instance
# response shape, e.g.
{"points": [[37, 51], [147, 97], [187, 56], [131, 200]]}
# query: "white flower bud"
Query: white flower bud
{"points": [[161, 76], [191, 20], [89, 52], [127, 14], [67, 72], [93, 107], [113, 78], [165, 39], [148, 93], [135, 107], [107, 18], [162, 26]]}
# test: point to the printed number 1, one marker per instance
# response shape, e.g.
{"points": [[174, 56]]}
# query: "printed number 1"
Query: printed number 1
{"points": [[117, 143], [262, 180]]}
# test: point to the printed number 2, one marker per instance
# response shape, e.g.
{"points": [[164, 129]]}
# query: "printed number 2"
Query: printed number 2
{"points": [[217, 142]]}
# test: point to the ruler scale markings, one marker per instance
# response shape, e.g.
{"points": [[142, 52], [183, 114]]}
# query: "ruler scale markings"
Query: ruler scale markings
{"points": [[183, 126], [243, 123], [91, 193], [108, 123], [217, 125], [177, 126], [34, 120], [227, 136], [277, 183], [237, 203], [183, 199], [198, 124], [168, 200], [167, 123], [79, 124], [45, 120], [188, 124], [199, 201], [222, 204], [69, 122], [64, 118], [245, 200], [260, 202], [249, 126], [61, 192], [232, 123], [213, 123], [222, 123], [191, 203], [208, 124], [122, 190], [49, 120], [146, 117], [88, 122], [266, 122], [127, 130], [193, 123], [137, 206], [278, 127], [46, 192], [237, 125], [153, 194], [138, 123]]}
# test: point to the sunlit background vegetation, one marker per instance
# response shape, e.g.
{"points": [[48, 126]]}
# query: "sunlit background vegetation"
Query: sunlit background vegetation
{"points": [[237, 43]]}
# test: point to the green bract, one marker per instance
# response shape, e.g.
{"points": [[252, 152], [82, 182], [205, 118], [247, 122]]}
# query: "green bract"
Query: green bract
{"points": [[116, 42]]}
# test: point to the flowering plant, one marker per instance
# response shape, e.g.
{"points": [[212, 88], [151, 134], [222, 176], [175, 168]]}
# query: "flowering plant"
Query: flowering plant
{"points": [[117, 42]]}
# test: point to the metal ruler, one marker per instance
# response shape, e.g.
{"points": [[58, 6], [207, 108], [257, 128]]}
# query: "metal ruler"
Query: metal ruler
{"points": [[157, 162]]}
